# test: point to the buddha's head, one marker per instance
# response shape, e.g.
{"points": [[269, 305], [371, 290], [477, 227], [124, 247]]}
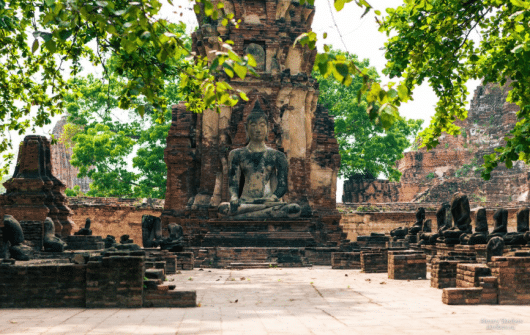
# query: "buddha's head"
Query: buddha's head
{"points": [[257, 125]]}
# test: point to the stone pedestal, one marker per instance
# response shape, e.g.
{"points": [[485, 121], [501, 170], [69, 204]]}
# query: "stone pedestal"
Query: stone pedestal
{"points": [[80, 242], [408, 265], [346, 260], [374, 261], [259, 234]]}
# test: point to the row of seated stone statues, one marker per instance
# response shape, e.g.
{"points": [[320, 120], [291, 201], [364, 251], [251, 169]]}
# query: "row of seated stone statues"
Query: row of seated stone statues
{"points": [[454, 226], [15, 246]]}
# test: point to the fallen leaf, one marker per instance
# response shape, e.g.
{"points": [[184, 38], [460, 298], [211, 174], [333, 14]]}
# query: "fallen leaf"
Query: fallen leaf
{"points": [[382, 283], [346, 275], [236, 301], [242, 278]]}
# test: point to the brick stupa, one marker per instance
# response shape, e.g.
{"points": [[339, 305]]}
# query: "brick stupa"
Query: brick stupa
{"points": [[33, 193]]}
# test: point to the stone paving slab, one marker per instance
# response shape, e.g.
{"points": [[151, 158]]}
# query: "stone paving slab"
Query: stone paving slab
{"points": [[279, 301]]}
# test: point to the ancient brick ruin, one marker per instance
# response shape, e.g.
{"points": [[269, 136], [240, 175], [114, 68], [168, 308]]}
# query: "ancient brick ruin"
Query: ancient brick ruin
{"points": [[198, 144], [61, 155], [434, 175], [34, 193]]}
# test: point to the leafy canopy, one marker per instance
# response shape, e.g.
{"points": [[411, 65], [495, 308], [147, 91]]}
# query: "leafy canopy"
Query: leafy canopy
{"points": [[363, 145], [436, 41], [43, 42], [107, 139]]}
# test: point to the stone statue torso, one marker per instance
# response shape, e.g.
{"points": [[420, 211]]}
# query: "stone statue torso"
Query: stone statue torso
{"points": [[265, 173]]}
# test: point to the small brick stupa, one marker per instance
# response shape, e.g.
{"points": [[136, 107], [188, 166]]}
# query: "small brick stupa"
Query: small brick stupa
{"points": [[33, 193]]}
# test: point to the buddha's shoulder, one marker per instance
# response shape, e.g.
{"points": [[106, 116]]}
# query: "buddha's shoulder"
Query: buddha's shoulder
{"points": [[275, 153]]}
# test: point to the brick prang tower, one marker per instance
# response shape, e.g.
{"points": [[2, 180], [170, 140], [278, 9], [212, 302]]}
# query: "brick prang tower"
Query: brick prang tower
{"points": [[198, 144]]}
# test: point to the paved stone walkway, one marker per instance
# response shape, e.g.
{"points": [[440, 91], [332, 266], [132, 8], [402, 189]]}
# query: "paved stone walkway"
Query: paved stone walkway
{"points": [[283, 301]]}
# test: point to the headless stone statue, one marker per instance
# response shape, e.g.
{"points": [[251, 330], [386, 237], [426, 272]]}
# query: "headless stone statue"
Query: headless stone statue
{"points": [[50, 242], [13, 240], [110, 241], [522, 227], [124, 239], [427, 226], [461, 214], [402, 232], [127, 244], [495, 247], [527, 237], [418, 225], [481, 230], [85, 231], [501, 223], [151, 231], [263, 172], [426, 233], [175, 241], [443, 222]]}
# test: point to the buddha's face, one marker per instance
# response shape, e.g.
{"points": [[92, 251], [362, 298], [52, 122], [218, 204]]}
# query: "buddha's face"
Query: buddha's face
{"points": [[257, 130]]}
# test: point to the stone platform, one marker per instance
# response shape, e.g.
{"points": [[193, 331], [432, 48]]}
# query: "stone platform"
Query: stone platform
{"points": [[284, 233], [81, 242]]}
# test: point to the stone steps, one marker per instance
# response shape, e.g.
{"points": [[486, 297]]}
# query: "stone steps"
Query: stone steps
{"points": [[240, 266]]}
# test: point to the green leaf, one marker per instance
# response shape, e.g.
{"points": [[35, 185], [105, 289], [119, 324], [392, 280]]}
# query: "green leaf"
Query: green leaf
{"points": [[342, 69], [228, 71], [243, 95], [141, 110], [241, 71], [51, 46], [197, 9], [339, 4], [251, 60], [208, 8], [35, 46]]}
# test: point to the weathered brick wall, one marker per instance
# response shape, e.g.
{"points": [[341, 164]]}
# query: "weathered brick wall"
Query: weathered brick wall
{"points": [[114, 216], [33, 286], [116, 281]]}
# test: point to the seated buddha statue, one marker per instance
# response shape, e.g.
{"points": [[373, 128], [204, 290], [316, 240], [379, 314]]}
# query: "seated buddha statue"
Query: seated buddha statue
{"points": [[257, 176]]}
